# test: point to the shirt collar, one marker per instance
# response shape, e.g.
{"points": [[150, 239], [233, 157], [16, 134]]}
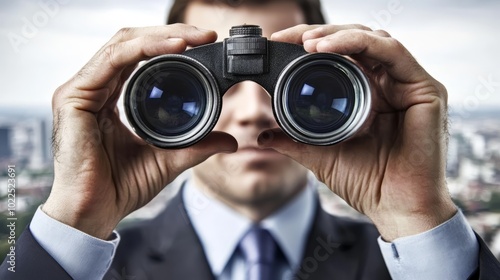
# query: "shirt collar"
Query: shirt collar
{"points": [[220, 228], [291, 224]]}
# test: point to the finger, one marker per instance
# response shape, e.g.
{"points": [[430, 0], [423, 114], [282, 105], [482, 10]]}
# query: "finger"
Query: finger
{"points": [[313, 37], [91, 88], [124, 75], [388, 52], [131, 45], [292, 34], [271, 137], [110, 60], [277, 140], [215, 142], [97, 81], [301, 33], [325, 30], [191, 34]]}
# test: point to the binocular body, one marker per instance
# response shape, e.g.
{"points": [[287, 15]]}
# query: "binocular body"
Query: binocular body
{"points": [[174, 100]]}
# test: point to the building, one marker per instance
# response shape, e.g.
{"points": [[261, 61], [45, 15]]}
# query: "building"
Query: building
{"points": [[5, 143]]}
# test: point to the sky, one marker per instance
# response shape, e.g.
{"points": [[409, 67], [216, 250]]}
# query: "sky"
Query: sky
{"points": [[44, 42]]}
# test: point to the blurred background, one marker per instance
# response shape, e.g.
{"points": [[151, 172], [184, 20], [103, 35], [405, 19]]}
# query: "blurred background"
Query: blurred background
{"points": [[44, 42]]}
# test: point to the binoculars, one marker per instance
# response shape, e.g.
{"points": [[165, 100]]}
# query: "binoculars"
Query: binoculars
{"points": [[174, 100]]}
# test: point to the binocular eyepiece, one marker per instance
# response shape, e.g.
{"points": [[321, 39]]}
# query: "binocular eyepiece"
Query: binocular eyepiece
{"points": [[174, 100]]}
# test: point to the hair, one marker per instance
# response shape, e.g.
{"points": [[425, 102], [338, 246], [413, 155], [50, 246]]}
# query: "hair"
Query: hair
{"points": [[310, 8]]}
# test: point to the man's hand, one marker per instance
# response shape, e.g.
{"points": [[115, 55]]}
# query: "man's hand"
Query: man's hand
{"points": [[103, 171], [394, 169]]}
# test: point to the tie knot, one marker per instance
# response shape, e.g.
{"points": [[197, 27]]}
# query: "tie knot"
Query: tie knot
{"points": [[258, 246]]}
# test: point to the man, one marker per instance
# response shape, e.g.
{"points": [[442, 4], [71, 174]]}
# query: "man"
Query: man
{"points": [[251, 177]]}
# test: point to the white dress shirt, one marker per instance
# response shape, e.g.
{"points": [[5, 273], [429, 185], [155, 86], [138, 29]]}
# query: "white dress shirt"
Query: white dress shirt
{"points": [[449, 251], [220, 229]]}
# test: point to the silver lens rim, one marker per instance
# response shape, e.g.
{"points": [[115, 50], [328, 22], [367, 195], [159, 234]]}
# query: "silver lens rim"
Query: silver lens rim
{"points": [[360, 111], [204, 126]]}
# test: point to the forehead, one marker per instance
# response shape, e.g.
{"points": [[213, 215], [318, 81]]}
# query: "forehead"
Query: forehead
{"points": [[272, 16]]}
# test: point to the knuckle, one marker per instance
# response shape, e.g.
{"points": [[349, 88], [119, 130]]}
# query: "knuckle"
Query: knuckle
{"points": [[442, 91], [382, 33], [302, 26], [62, 99], [62, 91], [124, 32], [109, 53], [322, 29], [177, 25], [109, 49], [313, 31], [395, 45], [359, 34], [182, 26], [361, 27], [57, 96]]}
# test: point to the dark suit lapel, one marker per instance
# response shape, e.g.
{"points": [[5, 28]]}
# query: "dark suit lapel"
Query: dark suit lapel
{"points": [[328, 253], [175, 251], [336, 249]]}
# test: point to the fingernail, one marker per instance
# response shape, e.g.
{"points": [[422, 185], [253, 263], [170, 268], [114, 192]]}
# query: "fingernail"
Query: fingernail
{"points": [[265, 138], [202, 29], [277, 34]]}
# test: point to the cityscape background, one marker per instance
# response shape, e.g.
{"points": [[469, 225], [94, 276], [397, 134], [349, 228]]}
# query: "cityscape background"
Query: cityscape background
{"points": [[44, 42]]}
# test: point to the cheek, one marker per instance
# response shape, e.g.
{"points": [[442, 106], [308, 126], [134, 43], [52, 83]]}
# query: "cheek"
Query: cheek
{"points": [[229, 104], [224, 118]]}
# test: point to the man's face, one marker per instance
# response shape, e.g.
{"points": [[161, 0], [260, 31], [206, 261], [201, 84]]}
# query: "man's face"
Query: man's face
{"points": [[251, 177]]}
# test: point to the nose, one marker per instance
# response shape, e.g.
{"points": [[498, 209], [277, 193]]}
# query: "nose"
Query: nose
{"points": [[249, 104]]}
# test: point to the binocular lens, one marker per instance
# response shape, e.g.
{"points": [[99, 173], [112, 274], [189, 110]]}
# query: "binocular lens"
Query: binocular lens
{"points": [[172, 101], [321, 99]]}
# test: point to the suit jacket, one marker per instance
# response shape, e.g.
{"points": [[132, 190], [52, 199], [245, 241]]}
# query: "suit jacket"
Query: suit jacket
{"points": [[167, 247]]}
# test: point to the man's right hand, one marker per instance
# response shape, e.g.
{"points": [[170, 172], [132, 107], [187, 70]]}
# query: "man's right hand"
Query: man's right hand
{"points": [[103, 171]]}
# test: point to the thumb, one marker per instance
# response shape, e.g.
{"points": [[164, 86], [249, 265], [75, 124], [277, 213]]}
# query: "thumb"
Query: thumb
{"points": [[215, 142], [277, 140], [319, 159]]}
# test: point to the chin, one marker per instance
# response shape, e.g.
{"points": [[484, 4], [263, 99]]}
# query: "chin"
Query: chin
{"points": [[261, 189], [257, 189]]}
